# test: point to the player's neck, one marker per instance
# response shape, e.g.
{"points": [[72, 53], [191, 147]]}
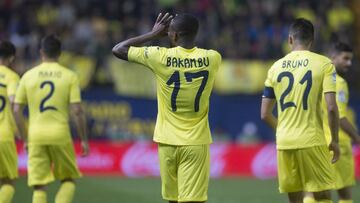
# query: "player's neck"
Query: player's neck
{"points": [[49, 60], [4, 62], [186, 45], [300, 47]]}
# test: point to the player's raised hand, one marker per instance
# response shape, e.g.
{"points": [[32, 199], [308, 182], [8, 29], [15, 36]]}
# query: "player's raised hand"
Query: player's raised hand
{"points": [[334, 147], [84, 148], [161, 25]]}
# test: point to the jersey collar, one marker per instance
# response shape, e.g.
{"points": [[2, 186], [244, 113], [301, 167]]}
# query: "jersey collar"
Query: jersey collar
{"points": [[187, 50]]}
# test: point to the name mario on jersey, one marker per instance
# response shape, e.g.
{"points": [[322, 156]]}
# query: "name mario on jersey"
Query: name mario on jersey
{"points": [[49, 74], [177, 62]]}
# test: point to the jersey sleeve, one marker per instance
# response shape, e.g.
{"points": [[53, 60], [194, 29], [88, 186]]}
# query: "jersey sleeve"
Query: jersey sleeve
{"points": [[329, 82], [75, 92], [217, 58], [12, 85], [147, 56], [20, 96], [342, 98], [269, 85]]}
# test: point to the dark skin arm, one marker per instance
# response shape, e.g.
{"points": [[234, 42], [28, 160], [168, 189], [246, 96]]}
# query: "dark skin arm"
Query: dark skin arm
{"points": [[333, 116], [159, 30], [267, 107], [78, 116], [349, 129]]}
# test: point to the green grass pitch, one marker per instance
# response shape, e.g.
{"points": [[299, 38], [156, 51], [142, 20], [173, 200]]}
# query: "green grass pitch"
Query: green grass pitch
{"points": [[114, 189]]}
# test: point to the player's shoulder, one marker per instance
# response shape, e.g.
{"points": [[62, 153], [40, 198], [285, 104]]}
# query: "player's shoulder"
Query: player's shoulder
{"points": [[319, 57], [214, 53], [68, 73], [9, 72], [31, 72], [210, 52], [155, 49], [65, 69]]}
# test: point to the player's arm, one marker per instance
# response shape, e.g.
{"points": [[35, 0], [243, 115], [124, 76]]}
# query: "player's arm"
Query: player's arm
{"points": [[20, 121], [267, 107], [333, 117], [268, 103], [329, 90], [160, 29], [78, 116]]}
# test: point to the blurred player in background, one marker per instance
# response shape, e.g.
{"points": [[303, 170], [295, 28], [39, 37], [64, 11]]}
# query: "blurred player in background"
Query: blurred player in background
{"points": [[185, 76], [8, 155], [297, 82], [49, 90], [341, 55]]}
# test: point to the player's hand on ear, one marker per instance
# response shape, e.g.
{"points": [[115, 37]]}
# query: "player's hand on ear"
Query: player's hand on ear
{"points": [[334, 147], [162, 24]]}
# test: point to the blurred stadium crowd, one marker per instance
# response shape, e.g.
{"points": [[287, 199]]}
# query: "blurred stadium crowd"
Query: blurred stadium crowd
{"points": [[250, 29]]}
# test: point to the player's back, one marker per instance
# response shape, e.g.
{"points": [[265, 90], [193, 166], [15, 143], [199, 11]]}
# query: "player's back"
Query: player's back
{"points": [[8, 83], [48, 90], [185, 79], [299, 80]]}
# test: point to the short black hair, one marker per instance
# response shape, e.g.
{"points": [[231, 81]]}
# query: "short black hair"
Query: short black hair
{"points": [[51, 46], [186, 25], [7, 49], [341, 47], [302, 30]]}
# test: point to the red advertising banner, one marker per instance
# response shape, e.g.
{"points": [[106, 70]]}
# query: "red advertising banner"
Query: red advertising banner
{"points": [[140, 159]]}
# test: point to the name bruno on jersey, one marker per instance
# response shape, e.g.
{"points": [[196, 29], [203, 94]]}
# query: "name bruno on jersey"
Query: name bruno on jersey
{"points": [[295, 64], [187, 62]]}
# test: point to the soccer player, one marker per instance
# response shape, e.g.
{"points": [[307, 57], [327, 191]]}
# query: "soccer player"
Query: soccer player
{"points": [[8, 156], [341, 55], [50, 90], [185, 76], [297, 82]]}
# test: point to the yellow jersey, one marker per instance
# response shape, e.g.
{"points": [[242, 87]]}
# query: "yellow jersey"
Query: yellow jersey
{"points": [[298, 82], [185, 79], [48, 89], [342, 99], [8, 84]]}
